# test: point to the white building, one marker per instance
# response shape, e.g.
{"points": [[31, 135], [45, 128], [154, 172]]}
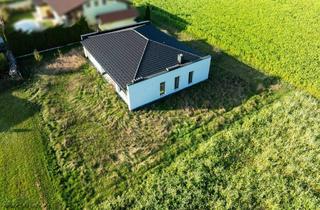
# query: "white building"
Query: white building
{"points": [[96, 12], [143, 63]]}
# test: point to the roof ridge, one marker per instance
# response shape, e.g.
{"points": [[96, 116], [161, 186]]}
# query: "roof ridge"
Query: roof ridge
{"points": [[176, 48], [138, 67], [134, 29]]}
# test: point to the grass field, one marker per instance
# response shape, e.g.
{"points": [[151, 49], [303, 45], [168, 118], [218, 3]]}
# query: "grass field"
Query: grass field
{"points": [[240, 140], [280, 38], [196, 149], [24, 179]]}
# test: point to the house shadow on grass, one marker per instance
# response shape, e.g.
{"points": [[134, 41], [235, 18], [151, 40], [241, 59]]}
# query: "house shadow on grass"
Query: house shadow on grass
{"points": [[15, 110], [230, 82]]}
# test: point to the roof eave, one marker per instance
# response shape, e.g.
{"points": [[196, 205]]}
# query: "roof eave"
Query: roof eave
{"points": [[178, 66], [85, 36]]}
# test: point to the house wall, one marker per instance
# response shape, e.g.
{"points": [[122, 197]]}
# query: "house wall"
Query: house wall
{"points": [[59, 19], [91, 12], [42, 12], [148, 90]]}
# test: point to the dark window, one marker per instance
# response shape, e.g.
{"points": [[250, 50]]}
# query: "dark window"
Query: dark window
{"points": [[88, 4], [176, 82], [96, 3], [190, 77], [104, 2], [162, 88]]}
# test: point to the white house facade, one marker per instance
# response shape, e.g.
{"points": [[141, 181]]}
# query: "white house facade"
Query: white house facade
{"points": [[143, 63], [149, 90], [93, 8]]}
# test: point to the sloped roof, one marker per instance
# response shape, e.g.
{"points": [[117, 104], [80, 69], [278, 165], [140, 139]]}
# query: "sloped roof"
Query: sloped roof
{"points": [[64, 6], [135, 52], [118, 15], [38, 2]]}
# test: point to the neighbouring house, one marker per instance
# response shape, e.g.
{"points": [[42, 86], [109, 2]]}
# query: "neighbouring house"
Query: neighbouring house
{"points": [[143, 63], [96, 12], [117, 19]]}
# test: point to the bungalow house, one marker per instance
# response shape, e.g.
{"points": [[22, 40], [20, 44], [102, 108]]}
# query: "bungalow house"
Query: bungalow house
{"points": [[96, 12], [143, 63]]}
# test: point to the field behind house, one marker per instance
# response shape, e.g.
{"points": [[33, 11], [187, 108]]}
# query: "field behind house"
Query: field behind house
{"points": [[280, 38]]}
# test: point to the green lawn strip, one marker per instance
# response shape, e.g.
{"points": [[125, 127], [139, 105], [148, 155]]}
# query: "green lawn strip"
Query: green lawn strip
{"points": [[25, 182], [257, 162]]}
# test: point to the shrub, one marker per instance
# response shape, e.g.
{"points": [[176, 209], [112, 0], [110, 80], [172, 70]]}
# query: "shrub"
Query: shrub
{"points": [[4, 13], [148, 13], [37, 56]]}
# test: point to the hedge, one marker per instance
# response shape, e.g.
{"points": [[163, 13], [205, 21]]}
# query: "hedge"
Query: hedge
{"points": [[23, 43]]}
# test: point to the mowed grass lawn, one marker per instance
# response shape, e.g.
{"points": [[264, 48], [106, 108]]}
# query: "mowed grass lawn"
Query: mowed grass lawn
{"points": [[280, 38], [24, 179]]}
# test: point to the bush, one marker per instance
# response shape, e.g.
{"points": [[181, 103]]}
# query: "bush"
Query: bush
{"points": [[3, 64], [37, 56], [4, 13], [23, 43]]}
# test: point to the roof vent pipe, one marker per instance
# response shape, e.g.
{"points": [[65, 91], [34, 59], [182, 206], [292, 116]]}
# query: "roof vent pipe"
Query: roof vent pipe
{"points": [[180, 58]]}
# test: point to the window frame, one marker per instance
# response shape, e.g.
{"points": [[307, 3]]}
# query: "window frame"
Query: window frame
{"points": [[176, 82], [162, 88], [190, 77]]}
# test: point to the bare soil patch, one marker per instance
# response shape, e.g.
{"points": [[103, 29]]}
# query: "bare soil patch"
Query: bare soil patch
{"points": [[69, 62]]}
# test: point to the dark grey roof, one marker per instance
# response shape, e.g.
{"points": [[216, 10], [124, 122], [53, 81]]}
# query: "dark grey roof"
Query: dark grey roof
{"points": [[139, 51]]}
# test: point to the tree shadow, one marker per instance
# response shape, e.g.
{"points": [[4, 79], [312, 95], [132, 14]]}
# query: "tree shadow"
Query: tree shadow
{"points": [[15, 110], [230, 82]]}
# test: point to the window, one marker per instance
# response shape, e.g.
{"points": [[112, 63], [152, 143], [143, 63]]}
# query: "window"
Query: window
{"points": [[88, 4], [104, 2], [96, 3], [162, 88], [176, 82], [190, 77]]}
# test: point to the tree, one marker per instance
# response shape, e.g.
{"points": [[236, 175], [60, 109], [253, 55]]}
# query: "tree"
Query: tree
{"points": [[147, 15], [4, 13]]}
